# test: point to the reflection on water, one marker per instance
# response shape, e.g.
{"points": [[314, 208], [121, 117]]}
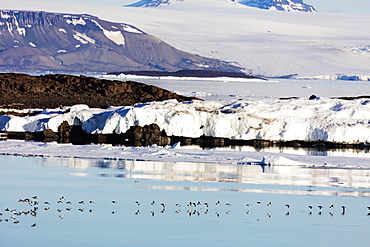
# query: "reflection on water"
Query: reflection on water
{"points": [[340, 152], [73, 199], [250, 174]]}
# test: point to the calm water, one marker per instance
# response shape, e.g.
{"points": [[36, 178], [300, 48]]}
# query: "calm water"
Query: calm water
{"points": [[125, 223]]}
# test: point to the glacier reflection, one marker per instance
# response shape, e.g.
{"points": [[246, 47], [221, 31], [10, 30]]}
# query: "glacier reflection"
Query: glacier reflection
{"points": [[242, 174]]}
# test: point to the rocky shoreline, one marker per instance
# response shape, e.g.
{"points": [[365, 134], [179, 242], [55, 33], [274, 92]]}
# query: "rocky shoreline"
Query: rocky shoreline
{"points": [[22, 91], [151, 134]]}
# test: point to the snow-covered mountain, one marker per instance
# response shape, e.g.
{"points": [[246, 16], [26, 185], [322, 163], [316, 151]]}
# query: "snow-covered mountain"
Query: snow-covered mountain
{"points": [[282, 5], [63, 42]]}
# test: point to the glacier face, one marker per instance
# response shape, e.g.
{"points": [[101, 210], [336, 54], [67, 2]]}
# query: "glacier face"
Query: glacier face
{"points": [[331, 120]]}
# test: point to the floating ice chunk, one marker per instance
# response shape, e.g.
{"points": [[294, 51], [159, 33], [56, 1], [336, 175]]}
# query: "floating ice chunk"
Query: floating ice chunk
{"points": [[176, 145], [282, 161]]}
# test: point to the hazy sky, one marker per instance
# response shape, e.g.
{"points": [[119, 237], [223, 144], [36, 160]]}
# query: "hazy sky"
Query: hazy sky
{"points": [[323, 6]]}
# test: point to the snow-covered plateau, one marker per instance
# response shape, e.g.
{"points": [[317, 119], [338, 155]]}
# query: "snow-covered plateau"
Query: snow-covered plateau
{"points": [[263, 42]]}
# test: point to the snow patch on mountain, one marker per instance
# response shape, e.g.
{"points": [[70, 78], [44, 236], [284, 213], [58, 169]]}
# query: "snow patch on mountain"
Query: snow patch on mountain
{"points": [[83, 38], [115, 36], [75, 21]]}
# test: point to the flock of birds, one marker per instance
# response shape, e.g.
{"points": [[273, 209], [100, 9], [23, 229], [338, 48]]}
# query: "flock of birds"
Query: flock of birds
{"points": [[192, 208]]}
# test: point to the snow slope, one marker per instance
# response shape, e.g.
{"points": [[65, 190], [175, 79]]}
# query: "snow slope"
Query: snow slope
{"points": [[269, 43], [280, 120]]}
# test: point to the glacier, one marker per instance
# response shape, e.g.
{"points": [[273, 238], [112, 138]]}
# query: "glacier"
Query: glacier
{"points": [[320, 119]]}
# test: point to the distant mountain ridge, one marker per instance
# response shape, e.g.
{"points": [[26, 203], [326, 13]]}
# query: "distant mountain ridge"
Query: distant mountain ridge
{"points": [[281, 5], [42, 41]]}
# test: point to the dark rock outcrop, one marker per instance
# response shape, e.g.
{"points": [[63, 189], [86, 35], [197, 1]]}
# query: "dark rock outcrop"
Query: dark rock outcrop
{"points": [[21, 91]]}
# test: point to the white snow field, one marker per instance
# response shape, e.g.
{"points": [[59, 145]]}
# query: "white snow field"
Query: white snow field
{"points": [[263, 42]]}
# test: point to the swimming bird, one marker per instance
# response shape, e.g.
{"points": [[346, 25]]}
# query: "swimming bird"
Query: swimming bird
{"points": [[59, 210], [68, 209], [331, 213], [91, 210], [248, 212], [34, 197], [206, 212], [137, 212], [16, 222], [218, 214], [81, 209], [163, 205], [344, 209], [115, 202], [177, 211], [59, 202], [207, 204], [153, 213], [269, 204], [163, 210], [91, 202], [310, 207], [259, 202], [249, 205], [153, 203], [61, 216], [81, 202], [69, 202], [228, 204], [218, 203], [46, 208], [177, 205], [114, 212], [287, 213], [331, 206], [138, 203], [62, 198], [269, 215], [368, 208], [287, 205], [33, 225], [320, 207]]}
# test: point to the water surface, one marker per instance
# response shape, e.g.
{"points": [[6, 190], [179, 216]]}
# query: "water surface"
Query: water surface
{"points": [[126, 224]]}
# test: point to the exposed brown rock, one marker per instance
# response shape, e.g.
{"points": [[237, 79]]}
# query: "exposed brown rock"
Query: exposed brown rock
{"points": [[22, 91]]}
